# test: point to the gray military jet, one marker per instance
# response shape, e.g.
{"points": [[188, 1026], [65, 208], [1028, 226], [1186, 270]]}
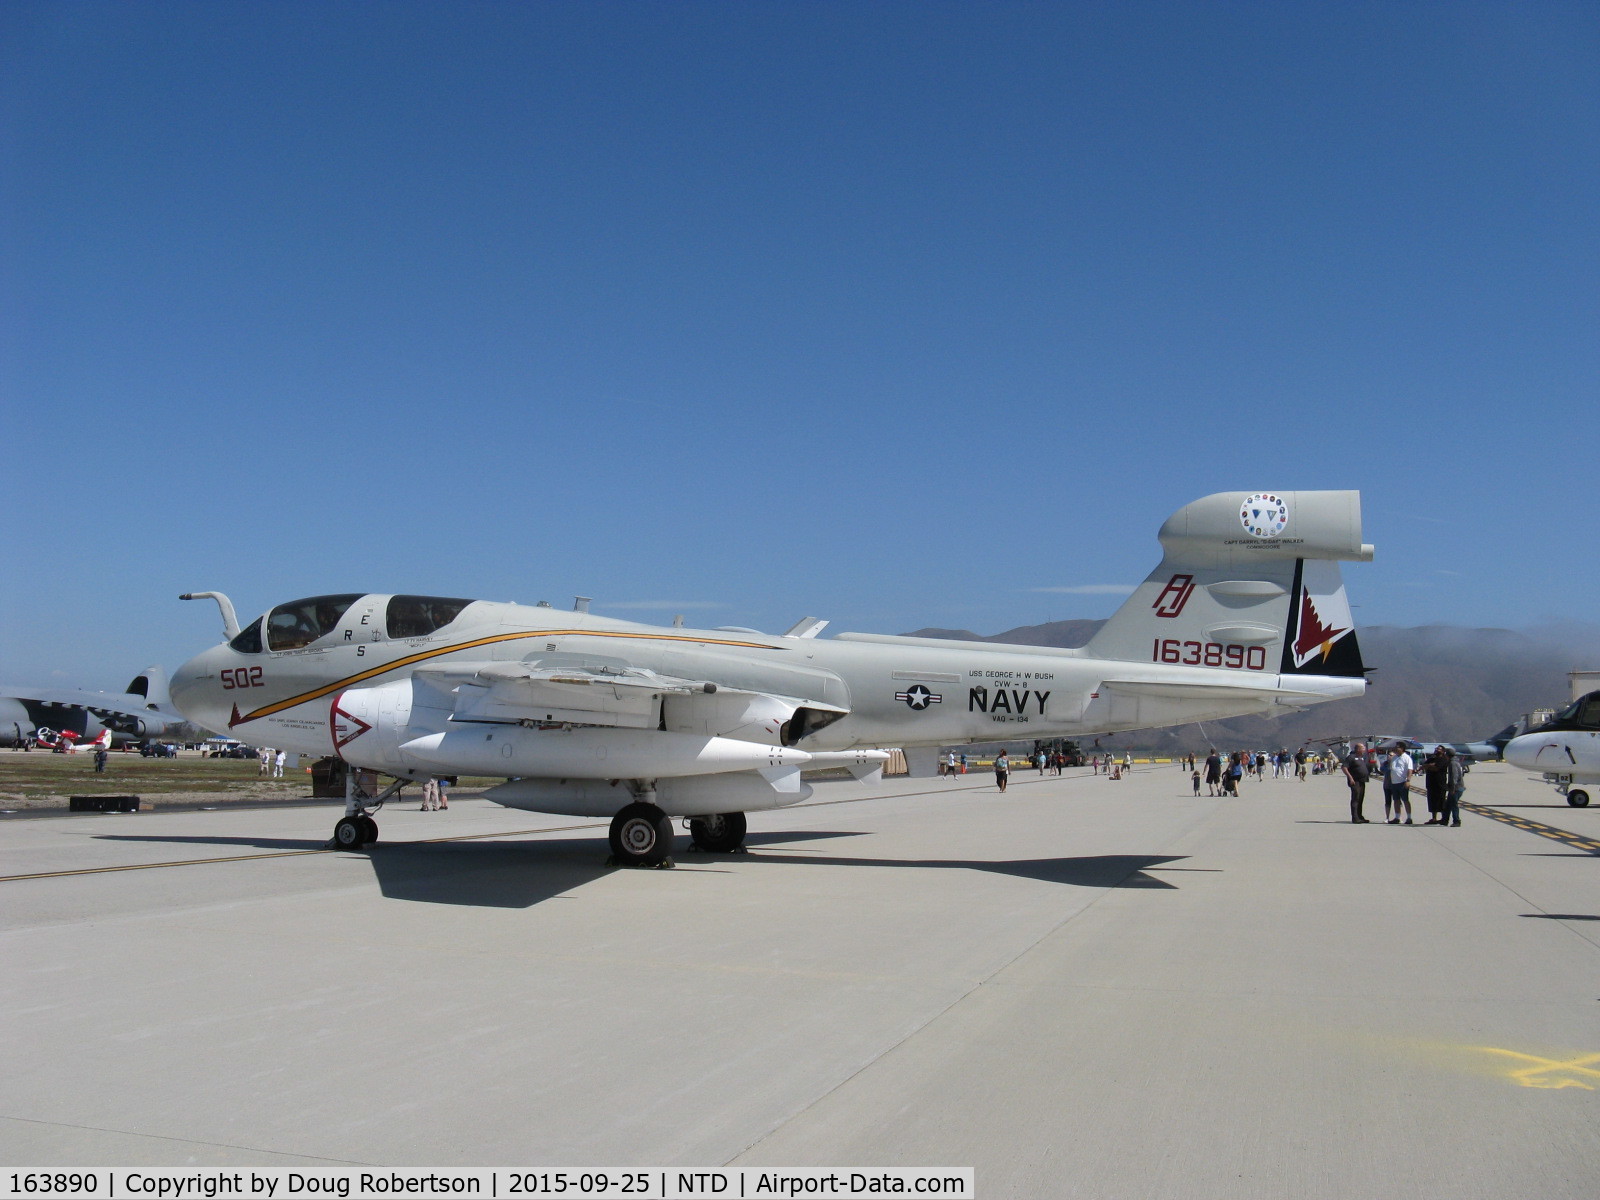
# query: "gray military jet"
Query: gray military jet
{"points": [[1487, 750], [586, 715]]}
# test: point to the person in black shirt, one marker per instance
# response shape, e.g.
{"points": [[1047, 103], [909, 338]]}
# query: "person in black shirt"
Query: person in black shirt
{"points": [[1435, 771], [1357, 770]]}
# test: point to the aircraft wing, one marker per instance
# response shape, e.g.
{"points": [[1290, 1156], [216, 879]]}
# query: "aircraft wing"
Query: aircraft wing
{"points": [[125, 714], [71, 697], [101, 704], [619, 696], [1145, 703]]}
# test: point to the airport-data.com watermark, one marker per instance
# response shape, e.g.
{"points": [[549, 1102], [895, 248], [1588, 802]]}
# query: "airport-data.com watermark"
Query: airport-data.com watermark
{"points": [[484, 1184]]}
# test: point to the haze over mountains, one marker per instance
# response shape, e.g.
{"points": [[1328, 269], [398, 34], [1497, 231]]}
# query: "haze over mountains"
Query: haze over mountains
{"points": [[1430, 682]]}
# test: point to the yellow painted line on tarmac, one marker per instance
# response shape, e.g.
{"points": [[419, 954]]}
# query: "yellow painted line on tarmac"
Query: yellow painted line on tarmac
{"points": [[1541, 1072], [197, 862], [1589, 845]]}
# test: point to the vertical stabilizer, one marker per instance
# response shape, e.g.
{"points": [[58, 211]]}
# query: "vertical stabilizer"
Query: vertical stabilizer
{"points": [[1248, 581]]}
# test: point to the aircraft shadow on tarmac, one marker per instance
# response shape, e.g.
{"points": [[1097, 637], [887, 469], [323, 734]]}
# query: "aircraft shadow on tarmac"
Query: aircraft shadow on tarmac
{"points": [[520, 874], [1093, 870], [1561, 916], [264, 844]]}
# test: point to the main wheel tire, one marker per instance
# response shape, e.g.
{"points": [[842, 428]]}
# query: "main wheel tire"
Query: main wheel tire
{"points": [[719, 833], [350, 833], [370, 826], [1578, 798], [641, 836]]}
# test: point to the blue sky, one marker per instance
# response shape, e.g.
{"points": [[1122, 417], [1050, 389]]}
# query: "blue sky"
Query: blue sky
{"points": [[888, 313]]}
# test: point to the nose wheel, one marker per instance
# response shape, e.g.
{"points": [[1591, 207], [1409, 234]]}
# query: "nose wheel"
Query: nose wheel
{"points": [[357, 828], [1578, 798], [641, 836]]}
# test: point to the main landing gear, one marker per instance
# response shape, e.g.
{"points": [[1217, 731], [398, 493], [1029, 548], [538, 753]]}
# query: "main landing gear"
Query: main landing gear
{"points": [[641, 836], [720, 833]]}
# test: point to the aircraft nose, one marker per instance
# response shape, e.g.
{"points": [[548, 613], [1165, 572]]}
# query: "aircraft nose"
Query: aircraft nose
{"points": [[1520, 751]]}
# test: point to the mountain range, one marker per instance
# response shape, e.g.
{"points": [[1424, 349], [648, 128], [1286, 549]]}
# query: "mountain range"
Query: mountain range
{"points": [[1431, 682]]}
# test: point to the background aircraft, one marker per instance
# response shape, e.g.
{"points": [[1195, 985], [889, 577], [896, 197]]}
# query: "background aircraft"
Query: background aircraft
{"points": [[1487, 750], [587, 715], [67, 742], [144, 712], [1565, 750]]}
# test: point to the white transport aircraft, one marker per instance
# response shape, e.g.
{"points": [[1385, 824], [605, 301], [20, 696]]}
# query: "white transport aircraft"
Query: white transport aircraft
{"points": [[589, 716], [1565, 749]]}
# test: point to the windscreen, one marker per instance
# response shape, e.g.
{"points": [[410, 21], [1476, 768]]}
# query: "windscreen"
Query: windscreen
{"points": [[418, 616], [1582, 713], [301, 622], [248, 639]]}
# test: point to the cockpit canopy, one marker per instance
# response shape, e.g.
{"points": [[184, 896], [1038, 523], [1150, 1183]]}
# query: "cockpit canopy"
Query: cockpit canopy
{"points": [[418, 616], [301, 622], [1582, 713]]}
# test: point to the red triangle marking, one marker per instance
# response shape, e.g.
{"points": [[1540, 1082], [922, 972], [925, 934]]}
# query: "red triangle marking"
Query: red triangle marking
{"points": [[342, 740]]}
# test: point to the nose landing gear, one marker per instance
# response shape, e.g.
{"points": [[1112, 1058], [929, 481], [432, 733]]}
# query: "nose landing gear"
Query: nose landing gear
{"points": [[357, 828], [352, 833]]}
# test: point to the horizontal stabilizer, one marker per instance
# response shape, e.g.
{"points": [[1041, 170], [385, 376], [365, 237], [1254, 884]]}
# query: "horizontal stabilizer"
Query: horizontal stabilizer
{"points": [[1178, 690]]}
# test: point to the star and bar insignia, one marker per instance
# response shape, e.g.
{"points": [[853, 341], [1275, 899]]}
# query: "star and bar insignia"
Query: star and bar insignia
{"points": [[918, 697]]}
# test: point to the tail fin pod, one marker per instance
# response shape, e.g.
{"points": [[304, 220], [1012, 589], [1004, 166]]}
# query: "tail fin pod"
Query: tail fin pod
{"points": [[1248, 581], [151, 683]]}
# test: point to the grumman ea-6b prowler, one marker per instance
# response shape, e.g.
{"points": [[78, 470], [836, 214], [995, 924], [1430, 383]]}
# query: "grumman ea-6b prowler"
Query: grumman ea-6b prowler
{"points": [[585, 715]]}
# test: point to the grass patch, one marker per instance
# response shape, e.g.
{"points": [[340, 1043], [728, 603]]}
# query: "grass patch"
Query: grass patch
{"points": [[38, 778]]}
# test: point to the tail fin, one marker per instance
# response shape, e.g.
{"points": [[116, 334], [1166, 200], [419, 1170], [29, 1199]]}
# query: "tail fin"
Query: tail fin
{"points": [[1248, 581], [151, 683]]}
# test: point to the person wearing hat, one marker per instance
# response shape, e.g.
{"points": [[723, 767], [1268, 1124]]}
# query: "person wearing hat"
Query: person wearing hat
{"points": [[1455, 784]]}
